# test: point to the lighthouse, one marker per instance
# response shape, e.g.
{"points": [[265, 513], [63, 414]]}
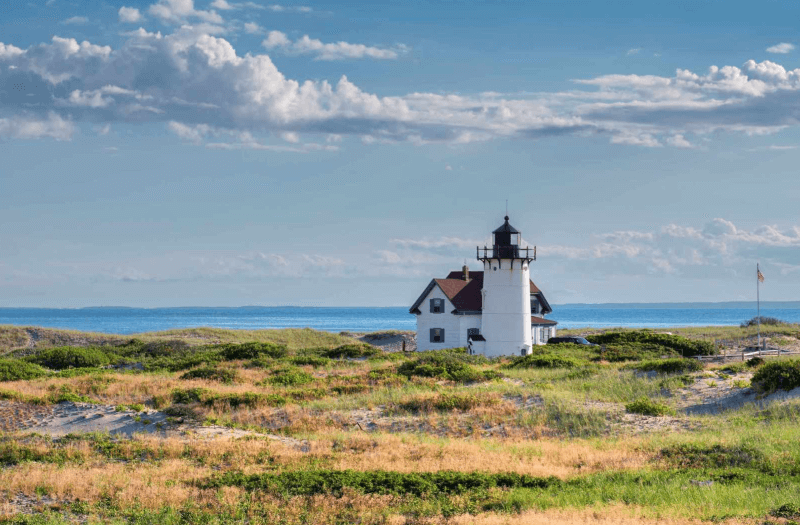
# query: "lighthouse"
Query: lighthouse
{"points": [[494, 311], [506, 293]]}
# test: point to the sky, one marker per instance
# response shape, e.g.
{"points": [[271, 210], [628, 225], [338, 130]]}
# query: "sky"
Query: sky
{"points": [[230, 153]]}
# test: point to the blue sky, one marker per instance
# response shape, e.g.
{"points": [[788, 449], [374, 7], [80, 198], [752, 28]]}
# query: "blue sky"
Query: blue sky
{"points": [[171, 152]]}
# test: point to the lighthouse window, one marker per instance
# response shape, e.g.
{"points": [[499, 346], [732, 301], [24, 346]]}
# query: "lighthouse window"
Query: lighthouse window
{"points": [[534, 305], [437, 306], [437, 335]]}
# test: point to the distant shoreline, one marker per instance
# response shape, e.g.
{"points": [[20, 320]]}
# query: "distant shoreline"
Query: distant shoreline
{"points": [[789, 305]]}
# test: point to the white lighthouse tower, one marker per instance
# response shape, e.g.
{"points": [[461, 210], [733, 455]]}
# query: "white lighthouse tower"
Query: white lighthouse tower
{"points": [[506, 317]]}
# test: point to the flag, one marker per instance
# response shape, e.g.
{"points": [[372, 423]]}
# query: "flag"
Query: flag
{"points": [[760, 276]]}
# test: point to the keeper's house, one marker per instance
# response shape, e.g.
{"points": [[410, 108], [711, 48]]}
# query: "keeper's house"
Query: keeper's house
{"points": [[497, 311]]}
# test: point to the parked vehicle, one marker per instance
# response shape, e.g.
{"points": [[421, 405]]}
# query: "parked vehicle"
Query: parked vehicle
{"points": [[570, 339]]}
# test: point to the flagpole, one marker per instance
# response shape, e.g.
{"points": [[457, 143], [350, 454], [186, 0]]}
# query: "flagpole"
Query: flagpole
{"points": [[758, 302]]}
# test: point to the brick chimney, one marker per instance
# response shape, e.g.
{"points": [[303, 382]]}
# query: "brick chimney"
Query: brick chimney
{"points": [[465, 271]]}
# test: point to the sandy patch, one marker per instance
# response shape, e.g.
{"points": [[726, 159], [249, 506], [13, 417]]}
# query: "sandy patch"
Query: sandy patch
{"points": [[81, 418]]}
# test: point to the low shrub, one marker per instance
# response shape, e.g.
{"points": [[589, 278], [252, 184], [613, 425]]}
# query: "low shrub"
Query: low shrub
{"points": [[182, 360], [669, 343], [223, 375], [334, 482], [755, 362], [669, 366], [789, 511], [189, 395], [181, 411], [778, 375], [689, 455], [310, 360], [247, 399], [765, 321], [447, 402], [16, 370], [289, 377], [252, 351], [545, 361], [444, 366], [632, 352], [351, 351], [70, 357], [648, 407]]}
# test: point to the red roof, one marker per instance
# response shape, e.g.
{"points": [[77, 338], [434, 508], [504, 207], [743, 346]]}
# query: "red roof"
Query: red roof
{"points": [[466, 295], [542, 321]]}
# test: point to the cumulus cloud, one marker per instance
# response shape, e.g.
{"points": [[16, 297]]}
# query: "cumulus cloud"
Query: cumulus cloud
{"points": [[194, 77], [252, 28], [176, 11], [129, 15], [329, 51], [782, 48]]}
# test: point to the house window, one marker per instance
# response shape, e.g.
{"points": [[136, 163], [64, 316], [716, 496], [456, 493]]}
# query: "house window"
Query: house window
{"points": [[437, 306], [534, 305], [437, 335], [545, 334], [473, 331]]}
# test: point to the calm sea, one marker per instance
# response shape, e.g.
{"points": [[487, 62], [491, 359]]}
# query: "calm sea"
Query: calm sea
{"points": [[133, 320]]}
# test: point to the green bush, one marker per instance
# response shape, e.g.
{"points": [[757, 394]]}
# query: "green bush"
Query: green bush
{"points": [[648, 407], [252, 351], [778, 375], [70, 357], [447, 402], [545, 361], [223, 375], [755, 362], [632, 352], [789, 511], [16, 370], [351, 351], [310, 360], [444, 366], [247, 399], [333, 482], [182, 360], [681, 345], [768, 321], [669, 366], [290, 377], [689, 455], [189, 395]]}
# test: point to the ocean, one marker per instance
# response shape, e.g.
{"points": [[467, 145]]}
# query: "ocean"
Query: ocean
{"points": [[117, 320]]}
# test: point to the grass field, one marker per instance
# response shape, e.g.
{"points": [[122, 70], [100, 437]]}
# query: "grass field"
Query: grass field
{"points": [[324, 429]]}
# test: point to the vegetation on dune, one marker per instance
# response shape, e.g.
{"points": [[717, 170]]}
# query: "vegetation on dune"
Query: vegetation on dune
{"points": [[374, 437], [675, 343], [15, 370], [669, 366], [451, 366], [70, 357], [649, 407], [763, 321], [778, 375]]}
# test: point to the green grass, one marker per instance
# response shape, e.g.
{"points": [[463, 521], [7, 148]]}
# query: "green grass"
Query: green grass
{"points": [[648, 407], [669, 366]]}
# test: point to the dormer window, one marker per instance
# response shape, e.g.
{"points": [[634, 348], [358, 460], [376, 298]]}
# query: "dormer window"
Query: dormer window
{"points": [[437, 306]]}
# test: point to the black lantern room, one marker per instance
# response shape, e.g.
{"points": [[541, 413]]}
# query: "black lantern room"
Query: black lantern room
{"points": [[505, 245]]}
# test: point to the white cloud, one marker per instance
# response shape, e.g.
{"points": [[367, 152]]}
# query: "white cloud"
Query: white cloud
{"points": [[77, 20], [177, 11], [222, 4], [160, 77], [782, 48], [252, 28], [129, 15], [679, 141], [22, 127], [633, 51], [330, 51]]}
